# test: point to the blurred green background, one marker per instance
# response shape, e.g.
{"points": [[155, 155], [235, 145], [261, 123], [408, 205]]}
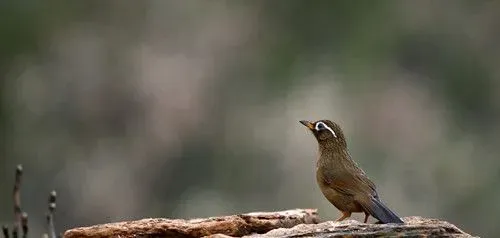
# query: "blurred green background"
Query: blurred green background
{"points": [[133, 109]]}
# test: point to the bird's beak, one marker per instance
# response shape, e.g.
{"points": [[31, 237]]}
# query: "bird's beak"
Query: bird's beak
{"points": [[308, 124]]}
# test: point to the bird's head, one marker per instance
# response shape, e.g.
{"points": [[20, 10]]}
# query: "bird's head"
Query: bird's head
{"points": [[327, 133]]}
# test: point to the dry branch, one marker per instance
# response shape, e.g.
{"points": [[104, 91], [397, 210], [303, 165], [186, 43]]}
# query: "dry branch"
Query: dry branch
{"points": [[50, 215], [17, 201], [5, 231], [24, 224]]}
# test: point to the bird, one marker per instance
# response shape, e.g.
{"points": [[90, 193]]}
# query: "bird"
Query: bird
{"points": [[343, 183]]}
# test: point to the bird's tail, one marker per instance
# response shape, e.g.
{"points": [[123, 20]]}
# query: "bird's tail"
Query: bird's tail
{"points": [[383, 213]]}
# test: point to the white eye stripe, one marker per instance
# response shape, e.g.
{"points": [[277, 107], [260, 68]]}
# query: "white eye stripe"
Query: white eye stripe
{"points": [[326, 127]]}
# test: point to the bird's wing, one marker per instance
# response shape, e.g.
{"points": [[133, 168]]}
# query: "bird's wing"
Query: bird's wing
{"points": [[351, 184], [348, 178]]}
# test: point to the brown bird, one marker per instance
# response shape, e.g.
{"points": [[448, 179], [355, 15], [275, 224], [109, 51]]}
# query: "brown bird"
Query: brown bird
{"points": [[340, 179]]}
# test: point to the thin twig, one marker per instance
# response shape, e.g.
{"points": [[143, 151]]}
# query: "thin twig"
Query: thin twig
{"points": [[24, 224], [17, 201], [50, 216], [5, 230]]}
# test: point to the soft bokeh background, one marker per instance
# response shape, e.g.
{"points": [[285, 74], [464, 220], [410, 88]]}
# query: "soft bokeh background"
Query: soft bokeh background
{"points": [[133, 109]]}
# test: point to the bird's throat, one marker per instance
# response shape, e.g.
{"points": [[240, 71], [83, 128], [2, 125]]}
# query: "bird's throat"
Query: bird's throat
{"points": [[332, 158]]}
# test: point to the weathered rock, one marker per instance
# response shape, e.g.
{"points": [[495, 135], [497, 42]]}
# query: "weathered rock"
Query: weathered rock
{"points": [[236, 225], [291, 223], [413, 227]]}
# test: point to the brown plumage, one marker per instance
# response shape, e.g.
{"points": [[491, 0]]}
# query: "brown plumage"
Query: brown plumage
{"points": [[340, 179]]}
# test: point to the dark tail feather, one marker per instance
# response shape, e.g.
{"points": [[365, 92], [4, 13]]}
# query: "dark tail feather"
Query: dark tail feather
{"points": [[382, 213]]}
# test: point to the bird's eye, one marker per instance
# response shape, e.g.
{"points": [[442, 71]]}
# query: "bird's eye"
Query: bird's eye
{"points": [[320, 126]]}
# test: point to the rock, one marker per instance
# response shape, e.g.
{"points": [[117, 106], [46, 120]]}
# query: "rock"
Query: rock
{"points": [[413, 227], [290, 223], [236, 225]]}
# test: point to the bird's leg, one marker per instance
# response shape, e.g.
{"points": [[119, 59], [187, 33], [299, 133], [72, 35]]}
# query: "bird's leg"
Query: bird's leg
{"points": [[344, 216], [366, 217]]}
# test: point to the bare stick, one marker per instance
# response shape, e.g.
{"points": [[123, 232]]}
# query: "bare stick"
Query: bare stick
{"points": [[17, 201], [24, 224], [50, 216], [5, 231]]}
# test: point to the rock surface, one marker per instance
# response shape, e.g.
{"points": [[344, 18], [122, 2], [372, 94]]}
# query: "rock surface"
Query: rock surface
{"points": [[290, 223], [236, 225], [413, 227]]}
